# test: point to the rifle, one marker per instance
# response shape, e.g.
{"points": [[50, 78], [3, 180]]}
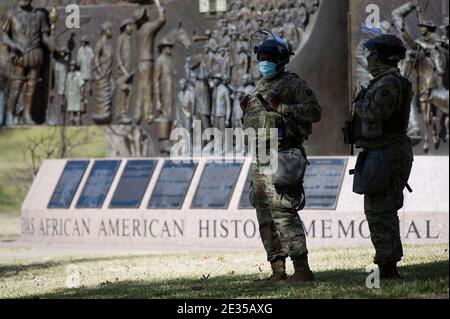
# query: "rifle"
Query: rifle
{"points": [[353, 126], [349, 132], [264, 103]]}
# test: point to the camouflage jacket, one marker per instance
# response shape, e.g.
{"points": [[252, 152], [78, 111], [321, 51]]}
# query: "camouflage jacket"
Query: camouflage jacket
{"points": [[387, 100], [297, 104]]}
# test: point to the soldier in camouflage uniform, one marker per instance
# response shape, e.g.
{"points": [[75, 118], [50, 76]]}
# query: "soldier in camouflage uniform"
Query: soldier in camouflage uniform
{"points": [[281, 228], [386, 104]]}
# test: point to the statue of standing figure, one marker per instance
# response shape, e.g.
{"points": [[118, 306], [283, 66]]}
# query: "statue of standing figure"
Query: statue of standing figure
{"points": [[303, 14], [187, 67], [2, 103], [291, 31], [163, 79], [212, 42], [85, 57], [103, 62], [245, 89], [185, 106], [208, 64], [74, 93], [236, 119], [202, 101], [146, 33], [3, 82], [60, 66], [428, 63], [125, 73], [184, 111], [221, 109], [444, 43], [25, 33], [241, 65]]}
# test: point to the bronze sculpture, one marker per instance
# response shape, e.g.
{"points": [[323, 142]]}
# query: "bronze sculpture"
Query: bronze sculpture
{"points": [[25, 33], [163, 79], [212, 42], [74, 93], [444, 44], [146, 34], [85, 57], [187, 66], [241, 66], [223, 61], [291, 31], [246, 88], [221, 109], [3, 81], [303, 15], [428, 63], [202, 100], [60, 66], [103, 62], [185, 106], [125, 72]]}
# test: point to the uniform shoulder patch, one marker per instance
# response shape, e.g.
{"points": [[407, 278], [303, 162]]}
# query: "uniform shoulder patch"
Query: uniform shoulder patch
{"points": [[294, 75], [389, 79]]}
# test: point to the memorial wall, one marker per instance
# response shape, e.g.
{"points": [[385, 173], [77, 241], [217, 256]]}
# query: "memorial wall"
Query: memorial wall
{"points": [[204, 204]]}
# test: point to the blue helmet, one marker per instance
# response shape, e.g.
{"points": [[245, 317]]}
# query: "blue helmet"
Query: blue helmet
{"points": [[389, 46], [276, 46]]}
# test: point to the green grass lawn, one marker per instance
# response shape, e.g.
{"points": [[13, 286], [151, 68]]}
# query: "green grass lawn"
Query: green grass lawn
{"points": [[340, 274], [9, 227], [14, 157]]}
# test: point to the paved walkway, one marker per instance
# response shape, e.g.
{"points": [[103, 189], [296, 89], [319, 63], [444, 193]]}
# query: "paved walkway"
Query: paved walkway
{"points": [[22, 250]]}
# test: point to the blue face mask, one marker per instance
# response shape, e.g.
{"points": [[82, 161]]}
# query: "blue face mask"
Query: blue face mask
{"points": [[267, 69]]}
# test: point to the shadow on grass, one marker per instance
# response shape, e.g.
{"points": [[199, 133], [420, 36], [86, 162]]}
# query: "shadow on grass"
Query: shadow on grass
{"points": [[13, 269], [429, 279]]}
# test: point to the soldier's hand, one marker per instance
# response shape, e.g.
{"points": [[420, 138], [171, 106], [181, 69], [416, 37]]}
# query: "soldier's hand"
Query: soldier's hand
{"points": [[273, 100], [245, 103]]}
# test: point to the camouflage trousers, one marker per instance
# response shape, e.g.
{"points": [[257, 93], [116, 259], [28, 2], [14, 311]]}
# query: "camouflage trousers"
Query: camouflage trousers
{"points": [[280, 226], [382, 209]]}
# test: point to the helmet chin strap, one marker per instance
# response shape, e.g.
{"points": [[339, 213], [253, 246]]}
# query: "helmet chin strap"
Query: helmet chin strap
{"points": [[281, 65]]}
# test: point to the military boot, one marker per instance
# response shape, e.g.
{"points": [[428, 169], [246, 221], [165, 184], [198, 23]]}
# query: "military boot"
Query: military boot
{"points": [[278, 271], [302, 271], [388, 270]]}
